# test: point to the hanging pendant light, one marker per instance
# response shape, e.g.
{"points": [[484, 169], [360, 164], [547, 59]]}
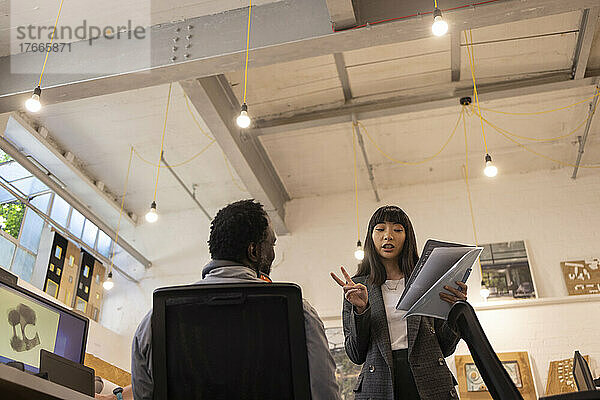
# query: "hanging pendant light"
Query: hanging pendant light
{"points": [[152, 215]]}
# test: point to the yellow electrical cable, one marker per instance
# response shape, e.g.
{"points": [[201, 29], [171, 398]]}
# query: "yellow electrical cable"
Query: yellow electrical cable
{"points": [[542, 112], [121, 210], [139, 156], [565, 164], [578, 127], [467, 180], [212, 141], [231, 173], [209, 137], [471, 56], [162, 141], [187, 104], [51, 41], [394, 160], [355, 177], [466, 170], [247, 50]]}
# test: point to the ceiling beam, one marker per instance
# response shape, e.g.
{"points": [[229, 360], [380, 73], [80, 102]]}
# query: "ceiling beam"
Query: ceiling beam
{"points": [[455, 55], [589, 23], [340, 65], [218, 107], [443, 96], [283, 31], [341, 13]]}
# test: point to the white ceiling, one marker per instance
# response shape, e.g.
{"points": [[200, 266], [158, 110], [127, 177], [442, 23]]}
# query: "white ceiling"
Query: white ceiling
{"points": [[319, 161], [101, 130], [326, 165]]}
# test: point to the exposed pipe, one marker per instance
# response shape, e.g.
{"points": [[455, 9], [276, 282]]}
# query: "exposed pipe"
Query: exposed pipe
{"points": [[586, 131], [78, 205], [184, 186], [63, 230], [361, 143]]}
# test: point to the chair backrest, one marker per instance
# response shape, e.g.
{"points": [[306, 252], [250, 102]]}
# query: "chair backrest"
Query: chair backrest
{"points": [[229, 341], [462, 318]]}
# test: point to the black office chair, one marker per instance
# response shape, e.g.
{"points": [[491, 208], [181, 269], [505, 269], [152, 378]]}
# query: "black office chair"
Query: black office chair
{"points": [[229, 341], [463, 319]]}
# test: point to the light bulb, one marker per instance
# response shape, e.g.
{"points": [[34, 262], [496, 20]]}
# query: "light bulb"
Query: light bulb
{"points": [[108, 283], [359, 253], [484, 291], [490, 169], [152, 215], [439, 27], [243, 120], [33, 104]]}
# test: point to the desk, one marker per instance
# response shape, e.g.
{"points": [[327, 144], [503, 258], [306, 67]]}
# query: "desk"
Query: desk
{"points": [[19, 385]]}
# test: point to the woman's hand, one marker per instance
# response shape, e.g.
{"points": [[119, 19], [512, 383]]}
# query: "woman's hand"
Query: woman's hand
{"points": [[355, 293], [456, 294]]}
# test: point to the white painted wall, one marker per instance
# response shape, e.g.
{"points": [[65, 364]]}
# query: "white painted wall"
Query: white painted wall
{"points": [[557, 217]]}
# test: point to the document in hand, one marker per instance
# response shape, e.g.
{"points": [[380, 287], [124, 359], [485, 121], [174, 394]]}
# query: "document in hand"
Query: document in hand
{"points": [[441, 264]]}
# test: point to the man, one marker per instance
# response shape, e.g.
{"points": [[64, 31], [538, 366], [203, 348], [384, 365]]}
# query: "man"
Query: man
{"points": [[241, 246]]}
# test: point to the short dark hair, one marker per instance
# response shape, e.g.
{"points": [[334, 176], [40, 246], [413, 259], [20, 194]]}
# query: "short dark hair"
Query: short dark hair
{"points": [[236, 226], [371, 266]]}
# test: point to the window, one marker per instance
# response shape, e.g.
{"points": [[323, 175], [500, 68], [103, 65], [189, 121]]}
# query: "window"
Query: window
{"points": [[89, 233], [76, 223], [23, 264], [86, 271], [7, 250], [60, 210], [11, 217], [58, 252], [33, 225], [104, 242]]}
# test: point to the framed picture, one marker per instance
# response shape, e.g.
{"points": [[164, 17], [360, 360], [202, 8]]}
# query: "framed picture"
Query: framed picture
{"points": [[506, 270], [472, 387], [475, 381], [582, 276], [560, 376]]}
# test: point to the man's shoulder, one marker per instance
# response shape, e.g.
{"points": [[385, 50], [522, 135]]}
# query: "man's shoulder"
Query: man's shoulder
{"points": [[143, 333]]}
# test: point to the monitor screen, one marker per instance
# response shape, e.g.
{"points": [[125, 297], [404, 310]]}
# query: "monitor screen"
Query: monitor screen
{"points": [[582, 374], [33, 323]]}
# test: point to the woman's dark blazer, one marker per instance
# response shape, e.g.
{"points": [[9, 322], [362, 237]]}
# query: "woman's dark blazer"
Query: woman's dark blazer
{"points": [[367, 342]]}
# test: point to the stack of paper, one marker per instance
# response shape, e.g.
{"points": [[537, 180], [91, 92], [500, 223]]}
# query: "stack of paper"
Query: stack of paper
{"points": [[441, 264]]}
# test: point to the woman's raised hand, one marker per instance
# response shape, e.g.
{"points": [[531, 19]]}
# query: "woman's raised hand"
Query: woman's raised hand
{"points": [[355, 293]]}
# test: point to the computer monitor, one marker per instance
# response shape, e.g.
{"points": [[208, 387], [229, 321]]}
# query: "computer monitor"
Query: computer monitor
{"points": [[34, 323], [582, 374]]}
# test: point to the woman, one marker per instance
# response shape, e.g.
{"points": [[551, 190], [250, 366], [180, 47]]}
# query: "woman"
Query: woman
{"points": [[402, 359]]}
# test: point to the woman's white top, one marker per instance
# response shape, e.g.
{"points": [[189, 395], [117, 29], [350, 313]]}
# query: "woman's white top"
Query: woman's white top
{"points": [[392, 290]]}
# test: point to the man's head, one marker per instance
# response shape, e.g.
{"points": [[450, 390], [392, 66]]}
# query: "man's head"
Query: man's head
{"points": [[242, 232]]}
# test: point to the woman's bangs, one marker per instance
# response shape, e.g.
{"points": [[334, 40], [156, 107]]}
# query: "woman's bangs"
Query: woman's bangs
{"points": [[390, 214]]}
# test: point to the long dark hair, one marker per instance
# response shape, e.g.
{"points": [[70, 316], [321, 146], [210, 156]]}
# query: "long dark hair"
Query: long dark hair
{"points": [[371, 266]]}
